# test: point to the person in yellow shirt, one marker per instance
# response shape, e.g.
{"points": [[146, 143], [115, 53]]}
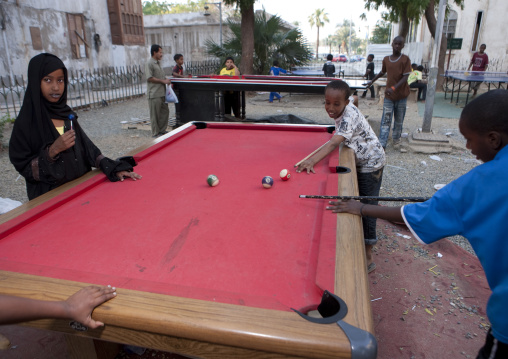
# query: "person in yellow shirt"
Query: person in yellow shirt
{"points": [[415, 80], [231, 98]]}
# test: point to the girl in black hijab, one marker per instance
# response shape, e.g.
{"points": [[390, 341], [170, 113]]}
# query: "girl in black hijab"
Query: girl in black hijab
{"points": [[48, 146]]}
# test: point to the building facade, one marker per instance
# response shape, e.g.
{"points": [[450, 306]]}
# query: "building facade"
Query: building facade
{"points": [[85, 34], [479, 22]]}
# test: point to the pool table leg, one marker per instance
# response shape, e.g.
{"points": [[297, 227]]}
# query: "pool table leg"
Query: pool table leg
{"points": [[83, 347], [243, 105]]}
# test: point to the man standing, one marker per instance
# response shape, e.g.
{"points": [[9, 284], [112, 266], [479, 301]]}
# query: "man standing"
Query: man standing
{"points": [[480, 62], [397, 68], [156, 92]]}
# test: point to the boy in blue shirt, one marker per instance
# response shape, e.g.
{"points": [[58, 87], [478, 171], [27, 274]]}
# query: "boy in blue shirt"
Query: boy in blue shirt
{"points": [[474, 206], [275, 70]]}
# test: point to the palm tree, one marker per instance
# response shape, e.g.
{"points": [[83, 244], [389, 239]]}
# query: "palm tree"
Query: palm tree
{"points": [[290, 48], [331, 41], [342, 33], [246, 8], [318, 18]]}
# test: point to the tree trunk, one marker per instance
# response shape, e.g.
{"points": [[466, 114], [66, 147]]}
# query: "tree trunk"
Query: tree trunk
{"points": [[317, 42], [247, 64], [430, 16], [404, 23]]}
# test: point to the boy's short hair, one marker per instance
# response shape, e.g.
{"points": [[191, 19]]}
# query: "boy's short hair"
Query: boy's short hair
{"points": [[420, 68], [329, 57], [340, 86], [488, 112], [371, 55], [275, 63], [155, 48], [229, 58], [414, 66], [177, 57]]}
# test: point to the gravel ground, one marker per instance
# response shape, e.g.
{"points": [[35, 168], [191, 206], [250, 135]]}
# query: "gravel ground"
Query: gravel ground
{"points": [[406, 174]]}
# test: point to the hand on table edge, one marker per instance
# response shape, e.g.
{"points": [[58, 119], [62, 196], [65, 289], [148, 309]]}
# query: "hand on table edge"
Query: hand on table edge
{"points": [[392, 214], [78, 306], [126, 174]]}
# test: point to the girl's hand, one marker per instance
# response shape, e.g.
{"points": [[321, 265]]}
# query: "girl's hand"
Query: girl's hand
{"points": [[126, 174], [62, 143]]}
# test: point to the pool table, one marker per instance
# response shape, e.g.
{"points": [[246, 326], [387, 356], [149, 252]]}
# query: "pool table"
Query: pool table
{"points": [[231, 271], [202, 97]]}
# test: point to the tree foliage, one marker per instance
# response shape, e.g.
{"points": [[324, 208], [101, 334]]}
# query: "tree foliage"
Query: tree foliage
{"points": [[342, 36], [403, 11], [381, 33], [164, 7], [271, 43]]}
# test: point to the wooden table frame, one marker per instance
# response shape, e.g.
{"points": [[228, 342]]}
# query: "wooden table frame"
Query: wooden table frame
{"points": [[210, 329]]}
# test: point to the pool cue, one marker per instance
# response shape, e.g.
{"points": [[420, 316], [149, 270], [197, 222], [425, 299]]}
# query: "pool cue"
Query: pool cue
{"points": [[312, 154], [372, 198]]}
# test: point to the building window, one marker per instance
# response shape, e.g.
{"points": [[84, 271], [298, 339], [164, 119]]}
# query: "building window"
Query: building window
{"points": [[35, 33], [126, 22], [450, 24], [476, 32], [413, 29], [77, 36]]}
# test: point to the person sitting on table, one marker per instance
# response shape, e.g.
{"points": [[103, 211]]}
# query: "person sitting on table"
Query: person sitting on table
{"points": [[275, 70], [231, 98], [474, 206], [415, 80], [48, 147], [78, 307], [352, 128]]}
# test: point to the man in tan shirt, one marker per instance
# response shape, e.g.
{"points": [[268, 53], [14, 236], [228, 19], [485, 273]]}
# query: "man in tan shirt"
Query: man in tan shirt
{"points": [[156, 92], [397, 68]]}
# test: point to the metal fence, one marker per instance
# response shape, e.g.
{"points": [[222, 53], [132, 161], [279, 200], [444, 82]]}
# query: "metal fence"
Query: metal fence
{"points": [[86, 89], [202, 67]]}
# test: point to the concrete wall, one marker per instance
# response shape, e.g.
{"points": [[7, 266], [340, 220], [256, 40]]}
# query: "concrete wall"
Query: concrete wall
{"points": [[50, 16], [493, 33], [183, 33]]}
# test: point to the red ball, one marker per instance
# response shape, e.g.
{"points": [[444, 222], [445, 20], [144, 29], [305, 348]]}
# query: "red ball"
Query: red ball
{"points": [[285, 175]]}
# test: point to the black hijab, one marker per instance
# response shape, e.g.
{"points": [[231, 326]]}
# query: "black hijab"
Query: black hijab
{"points": [[33, 129]]}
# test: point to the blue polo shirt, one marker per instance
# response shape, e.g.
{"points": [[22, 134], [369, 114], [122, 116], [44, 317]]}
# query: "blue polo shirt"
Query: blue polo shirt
{"points": [[475, 206], [277, 71]]}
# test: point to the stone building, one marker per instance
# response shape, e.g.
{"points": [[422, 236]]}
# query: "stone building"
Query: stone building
{"points": [[85, 34], [479, 22]]}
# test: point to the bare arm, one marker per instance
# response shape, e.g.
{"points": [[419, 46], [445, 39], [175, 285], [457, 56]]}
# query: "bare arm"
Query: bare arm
{"points": [[390, 90], [155, 80], [379, 74], [355, 207], [237, 71], [309, 163], [78, 307]]}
